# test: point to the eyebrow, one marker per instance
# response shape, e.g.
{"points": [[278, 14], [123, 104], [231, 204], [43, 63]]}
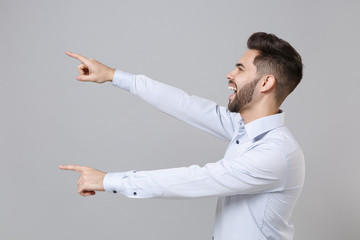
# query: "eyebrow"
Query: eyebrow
{"points": [[238, 65]]}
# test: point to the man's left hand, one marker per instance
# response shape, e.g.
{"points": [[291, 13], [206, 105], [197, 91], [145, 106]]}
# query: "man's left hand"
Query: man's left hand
{"points": [[90, 179]]}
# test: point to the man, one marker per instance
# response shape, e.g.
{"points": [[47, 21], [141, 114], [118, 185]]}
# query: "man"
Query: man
{"points": [[262, 173]]}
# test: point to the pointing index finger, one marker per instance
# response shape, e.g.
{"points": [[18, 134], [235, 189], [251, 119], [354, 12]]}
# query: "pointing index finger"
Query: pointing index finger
{"points": [[76, 168], [77, 56]]}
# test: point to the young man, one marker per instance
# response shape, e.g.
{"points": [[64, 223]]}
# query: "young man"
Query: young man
{"points": [[261, 176]]}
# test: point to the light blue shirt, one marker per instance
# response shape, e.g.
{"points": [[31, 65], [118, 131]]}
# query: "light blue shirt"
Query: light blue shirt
{"points": [[257, 182]]}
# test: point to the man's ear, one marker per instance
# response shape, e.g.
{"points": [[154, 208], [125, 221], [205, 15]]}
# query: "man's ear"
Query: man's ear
{"points": [[267, 83]]}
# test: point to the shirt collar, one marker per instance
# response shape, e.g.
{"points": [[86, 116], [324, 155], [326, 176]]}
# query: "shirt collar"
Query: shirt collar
{"points": [[264, 124]]}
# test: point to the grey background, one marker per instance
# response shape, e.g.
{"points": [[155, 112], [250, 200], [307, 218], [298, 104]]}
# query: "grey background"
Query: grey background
{"points": [[48, 118]]}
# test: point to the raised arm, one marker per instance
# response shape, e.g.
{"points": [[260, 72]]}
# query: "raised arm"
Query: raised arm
{"points": [[196, 111]]}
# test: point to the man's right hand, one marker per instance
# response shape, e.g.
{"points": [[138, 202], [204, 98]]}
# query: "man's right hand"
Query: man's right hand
{"points": [[91, 70]]}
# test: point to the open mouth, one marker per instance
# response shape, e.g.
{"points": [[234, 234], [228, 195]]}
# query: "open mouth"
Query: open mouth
{"points": [[233, 89]]}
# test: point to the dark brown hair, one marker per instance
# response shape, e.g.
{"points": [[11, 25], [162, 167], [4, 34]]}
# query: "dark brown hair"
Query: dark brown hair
{"points": [[277, 57]]}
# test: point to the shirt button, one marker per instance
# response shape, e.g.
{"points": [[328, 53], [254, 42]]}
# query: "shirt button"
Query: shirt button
{"points": [[237, 141], [114, 191], [134, 193]]}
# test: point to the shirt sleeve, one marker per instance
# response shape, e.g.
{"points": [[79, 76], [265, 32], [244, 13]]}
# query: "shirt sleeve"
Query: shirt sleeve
{"points": [[259, 170], [198, 112]]}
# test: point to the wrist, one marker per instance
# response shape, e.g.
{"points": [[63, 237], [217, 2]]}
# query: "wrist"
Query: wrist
{"points": [[111, 74]]}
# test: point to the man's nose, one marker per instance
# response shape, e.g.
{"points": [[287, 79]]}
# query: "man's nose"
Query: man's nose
{"points": [[229, 76]]}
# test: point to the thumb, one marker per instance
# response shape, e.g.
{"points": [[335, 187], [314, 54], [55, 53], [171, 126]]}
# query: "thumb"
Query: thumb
{"points": [[84, 78]]}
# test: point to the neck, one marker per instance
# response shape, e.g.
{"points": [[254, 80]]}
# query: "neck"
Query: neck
{"points": [[251, 113]]}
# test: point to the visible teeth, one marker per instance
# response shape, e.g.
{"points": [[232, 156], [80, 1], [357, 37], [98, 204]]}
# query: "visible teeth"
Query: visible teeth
{"points": [[232, 88]]}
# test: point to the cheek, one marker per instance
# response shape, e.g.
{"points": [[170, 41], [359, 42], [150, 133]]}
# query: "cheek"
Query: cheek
{"points": [[241, 80], [244, 79], [239, 84]]}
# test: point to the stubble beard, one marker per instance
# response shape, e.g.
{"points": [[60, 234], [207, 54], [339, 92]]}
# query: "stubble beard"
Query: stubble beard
{"points": [[243, 97]]}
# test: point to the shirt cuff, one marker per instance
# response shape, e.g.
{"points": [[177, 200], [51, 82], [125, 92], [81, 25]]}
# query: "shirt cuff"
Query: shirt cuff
{"points": [[123, 80], [112, 182]]}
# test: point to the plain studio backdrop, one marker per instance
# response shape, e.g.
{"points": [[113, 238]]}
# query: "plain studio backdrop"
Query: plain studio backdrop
{"points": [[48, 118]]}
